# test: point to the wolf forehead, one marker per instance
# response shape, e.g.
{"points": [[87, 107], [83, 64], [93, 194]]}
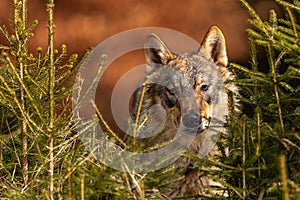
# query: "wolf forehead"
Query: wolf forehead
{"points": [[186, 66], [195, 66]]}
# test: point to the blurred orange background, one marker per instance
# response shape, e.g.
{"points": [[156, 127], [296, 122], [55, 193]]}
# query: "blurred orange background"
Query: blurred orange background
{"points": [[85, 23]]}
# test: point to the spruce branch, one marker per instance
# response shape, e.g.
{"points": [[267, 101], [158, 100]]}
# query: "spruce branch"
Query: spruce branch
{"points": [[20, 22], [50, 10]]}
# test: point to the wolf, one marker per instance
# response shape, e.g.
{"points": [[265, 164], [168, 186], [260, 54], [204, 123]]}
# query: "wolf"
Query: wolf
{"points": [[185, 94]]}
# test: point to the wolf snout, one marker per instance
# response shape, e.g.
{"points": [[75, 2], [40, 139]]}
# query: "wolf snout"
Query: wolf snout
{"points": [[191, 120]]}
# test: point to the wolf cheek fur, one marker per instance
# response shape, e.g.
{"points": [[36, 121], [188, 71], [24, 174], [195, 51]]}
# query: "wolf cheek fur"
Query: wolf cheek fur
{"points": [[201, 74]]}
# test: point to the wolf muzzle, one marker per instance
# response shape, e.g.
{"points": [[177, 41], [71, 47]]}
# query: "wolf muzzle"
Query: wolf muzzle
{"points": [[192, 120]]}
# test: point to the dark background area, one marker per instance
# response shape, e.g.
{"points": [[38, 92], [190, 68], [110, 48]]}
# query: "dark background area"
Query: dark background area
{"points": [[85, 23]]}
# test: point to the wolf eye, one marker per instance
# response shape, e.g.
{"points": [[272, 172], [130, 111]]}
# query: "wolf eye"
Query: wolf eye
{"points": [[170, 97], [204, 87], [172, 91]]}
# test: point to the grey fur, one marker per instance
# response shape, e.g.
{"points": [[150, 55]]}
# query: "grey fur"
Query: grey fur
{"points": [[187, 81]]}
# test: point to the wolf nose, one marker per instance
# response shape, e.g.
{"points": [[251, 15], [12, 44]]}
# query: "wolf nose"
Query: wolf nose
{"points": [[191, 120]]}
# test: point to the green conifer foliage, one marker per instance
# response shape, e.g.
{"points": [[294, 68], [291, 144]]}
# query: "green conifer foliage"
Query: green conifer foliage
{"points": [[266, 141], [42, 157], [35, 107]]}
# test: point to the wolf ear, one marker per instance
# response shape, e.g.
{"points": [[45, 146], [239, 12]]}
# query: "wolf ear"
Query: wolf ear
{"points": [[156, 52], [213, 46]]}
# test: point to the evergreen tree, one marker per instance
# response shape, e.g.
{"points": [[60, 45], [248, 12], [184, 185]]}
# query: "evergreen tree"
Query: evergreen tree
{"points": [[42, 157]]}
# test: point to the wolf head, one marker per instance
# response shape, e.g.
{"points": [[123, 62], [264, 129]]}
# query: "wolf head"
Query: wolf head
{"points": [[201, 74]]}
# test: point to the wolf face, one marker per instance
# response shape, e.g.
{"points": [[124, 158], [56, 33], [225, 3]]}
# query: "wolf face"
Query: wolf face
{"points": [[179, 83]]}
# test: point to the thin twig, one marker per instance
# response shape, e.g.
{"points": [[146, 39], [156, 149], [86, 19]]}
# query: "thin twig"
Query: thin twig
{"points": [[138, 113], [50, 10], [283, 173], [244, 157], [275, 84]]}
